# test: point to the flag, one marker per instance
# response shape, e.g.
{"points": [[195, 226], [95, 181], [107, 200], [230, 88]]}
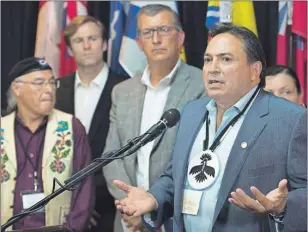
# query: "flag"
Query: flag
{"points": [[301, 65], [48, 33], [236, 12], [123, 25], [243, 14], [212, 15], [70, 10], [129, 45], [131, 58], [282, 39], [299, 28], [118, 14], [53, 18], [299, 22]]}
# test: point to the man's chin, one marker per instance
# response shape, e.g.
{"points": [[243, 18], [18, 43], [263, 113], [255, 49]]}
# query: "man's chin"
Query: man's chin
{"points": [[214, 93], [160, 58], [46, 109], [89, 62]]}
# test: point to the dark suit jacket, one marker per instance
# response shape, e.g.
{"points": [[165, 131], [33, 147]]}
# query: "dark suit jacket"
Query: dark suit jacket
{"points": [[100, 121], [97, 133]]}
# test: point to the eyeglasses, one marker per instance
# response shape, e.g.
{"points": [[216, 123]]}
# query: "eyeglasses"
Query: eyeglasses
{"points": [[162, 31], [39, 83]]}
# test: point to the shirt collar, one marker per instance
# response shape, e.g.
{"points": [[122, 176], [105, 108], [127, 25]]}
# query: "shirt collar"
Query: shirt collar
{"points": [[238, 106], [163, 83], [99, 80], [19, 122]]}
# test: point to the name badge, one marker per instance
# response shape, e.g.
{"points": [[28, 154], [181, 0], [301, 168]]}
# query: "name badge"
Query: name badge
{"points": [[191, 201], [31, 198]]}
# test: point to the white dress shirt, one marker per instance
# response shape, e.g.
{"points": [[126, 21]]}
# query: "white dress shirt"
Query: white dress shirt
{"points": [[87, 97], [153, 106]]}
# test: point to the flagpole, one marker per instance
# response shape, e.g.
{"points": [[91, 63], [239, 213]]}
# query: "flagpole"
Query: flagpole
{"points": [[290, 47], [289, 34]]}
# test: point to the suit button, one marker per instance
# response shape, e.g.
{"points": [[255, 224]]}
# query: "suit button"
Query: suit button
{"points": [[11, 206], [243, 144]]}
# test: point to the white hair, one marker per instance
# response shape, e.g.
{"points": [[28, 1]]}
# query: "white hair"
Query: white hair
{"points": [[11, 100]]}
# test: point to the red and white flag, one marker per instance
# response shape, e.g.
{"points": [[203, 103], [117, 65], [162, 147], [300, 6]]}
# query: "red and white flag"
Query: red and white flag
{"points": [[299, 28], [70, 10], [53, 18], [283, 34], [48, 33]]}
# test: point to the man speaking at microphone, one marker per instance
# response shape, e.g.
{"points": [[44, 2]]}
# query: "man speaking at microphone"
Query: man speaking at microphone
{"points": [[239, 159], [139, 102]]}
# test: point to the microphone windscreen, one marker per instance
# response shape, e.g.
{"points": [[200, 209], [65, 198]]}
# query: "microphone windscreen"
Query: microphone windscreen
{"points": [[171, 116]]}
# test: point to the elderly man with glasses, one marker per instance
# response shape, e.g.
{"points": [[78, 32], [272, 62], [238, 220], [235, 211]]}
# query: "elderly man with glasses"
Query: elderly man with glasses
{"points": [[38, 144], [139, 102]]}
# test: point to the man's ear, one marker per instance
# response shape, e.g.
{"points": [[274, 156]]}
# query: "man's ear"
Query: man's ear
{"points": [[70, 52], [256, 70], [300, 98], [181, 38], [139, 42], [15, 87], [105, 45]]}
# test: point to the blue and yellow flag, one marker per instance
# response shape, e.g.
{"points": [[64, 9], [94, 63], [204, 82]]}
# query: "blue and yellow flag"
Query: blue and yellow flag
{"points": [[241, 14]]}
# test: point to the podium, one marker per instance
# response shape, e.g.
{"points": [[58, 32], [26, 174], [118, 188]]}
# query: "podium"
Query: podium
{"points": [[44, 229]]}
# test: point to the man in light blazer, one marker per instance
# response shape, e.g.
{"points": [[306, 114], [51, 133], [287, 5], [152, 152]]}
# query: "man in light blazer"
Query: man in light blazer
{"points": [[139, 103], [239, 159]]}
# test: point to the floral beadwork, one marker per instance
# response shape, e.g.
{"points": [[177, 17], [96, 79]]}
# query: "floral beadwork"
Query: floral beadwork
{"points": [[62, 147], [4, 174]]}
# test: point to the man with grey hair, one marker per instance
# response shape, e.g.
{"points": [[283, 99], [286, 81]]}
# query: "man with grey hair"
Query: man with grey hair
{"points": [[39, 143], [139, 102]]}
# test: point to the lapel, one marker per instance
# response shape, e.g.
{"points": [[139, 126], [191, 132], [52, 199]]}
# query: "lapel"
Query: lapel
{"points": [[252, 126], [177, 89], [134, 114], [193, 122], [102, 108], [67, 94], [51, 137]]}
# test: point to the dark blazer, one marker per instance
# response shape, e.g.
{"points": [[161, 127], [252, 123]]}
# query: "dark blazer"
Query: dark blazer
{"points": [[97, 136], [100, 121]]}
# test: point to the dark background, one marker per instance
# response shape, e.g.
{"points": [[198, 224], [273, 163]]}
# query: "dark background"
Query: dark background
{"points": [[19, 22]]}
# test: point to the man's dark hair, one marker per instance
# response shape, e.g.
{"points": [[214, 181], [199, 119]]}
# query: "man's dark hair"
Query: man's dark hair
{"points": [[252, 45], [277, 69]]}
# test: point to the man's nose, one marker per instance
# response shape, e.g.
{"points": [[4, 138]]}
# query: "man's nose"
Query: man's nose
{"points": [[214, 66], [48, 87], [156, 37], [86, 44]]}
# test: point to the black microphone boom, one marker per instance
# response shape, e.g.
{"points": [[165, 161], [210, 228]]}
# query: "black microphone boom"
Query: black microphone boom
{"points": [[169, 119]]}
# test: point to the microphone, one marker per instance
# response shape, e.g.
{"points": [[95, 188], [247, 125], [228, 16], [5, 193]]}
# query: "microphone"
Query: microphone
{"points": [[169, 119]]}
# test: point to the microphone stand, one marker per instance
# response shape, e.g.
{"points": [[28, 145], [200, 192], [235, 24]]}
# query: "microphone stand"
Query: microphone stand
{"points": [[75, 179]]}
